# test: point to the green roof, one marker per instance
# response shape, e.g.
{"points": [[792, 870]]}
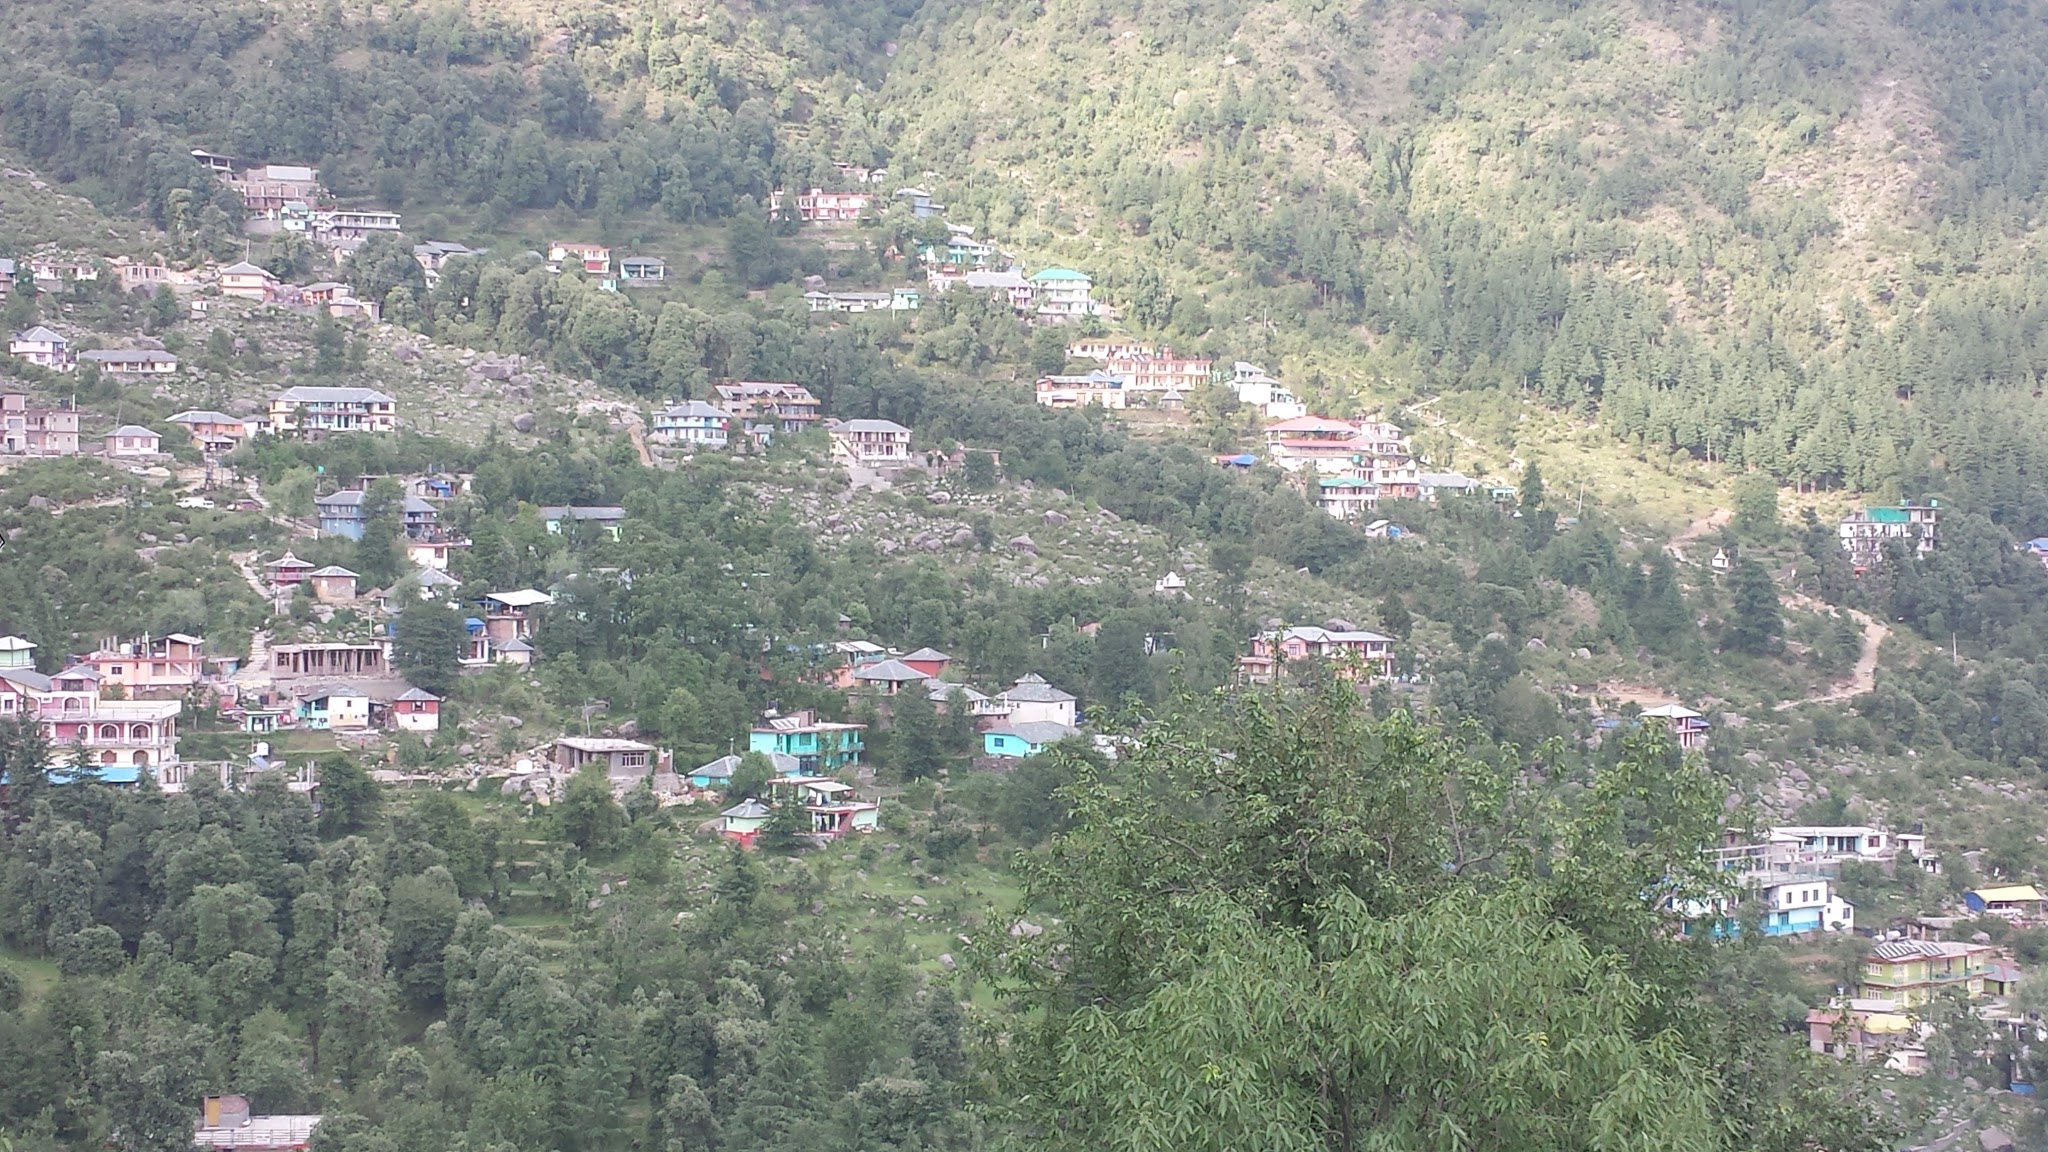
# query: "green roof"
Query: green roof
{"points": [[1888, 515], [1346, 482], [1059, 274]]}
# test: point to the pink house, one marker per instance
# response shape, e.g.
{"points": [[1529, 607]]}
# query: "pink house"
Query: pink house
{"points": [[1162, 371], [167, 664], [36, 431], [1354, 653], [82, 727]]}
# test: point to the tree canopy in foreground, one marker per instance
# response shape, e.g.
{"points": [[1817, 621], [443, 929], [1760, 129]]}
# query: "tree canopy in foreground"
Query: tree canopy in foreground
{"points": [[1285, 925]]}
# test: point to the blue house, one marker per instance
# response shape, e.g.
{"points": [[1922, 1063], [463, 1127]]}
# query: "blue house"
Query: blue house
{"points": [[341, 513], [1025, 738]]}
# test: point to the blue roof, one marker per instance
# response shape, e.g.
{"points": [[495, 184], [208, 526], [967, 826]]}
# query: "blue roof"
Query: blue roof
{"points": [[472, 623], [2038, 544], [1244, 461]]}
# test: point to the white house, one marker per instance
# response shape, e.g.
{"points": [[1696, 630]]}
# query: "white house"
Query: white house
{"points": [[1098, 389], [1255, 389], [248, 282], [314, 411], [1032, 699], [874, 443], [41, 346], [1012, 284], [132, 361], [1063, 294], [693, 423], [133, 440], [416, 710]]}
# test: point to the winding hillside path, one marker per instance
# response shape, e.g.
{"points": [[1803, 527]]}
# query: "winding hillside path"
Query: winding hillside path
{"points": [[1864, 678], [1706, 525]]}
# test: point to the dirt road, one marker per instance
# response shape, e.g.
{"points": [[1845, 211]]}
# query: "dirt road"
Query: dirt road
{"points": [[1864, 678], [1706, 525]]}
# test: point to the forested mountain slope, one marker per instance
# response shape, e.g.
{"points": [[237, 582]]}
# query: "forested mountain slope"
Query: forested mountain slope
{"points": [[1793, 236]]}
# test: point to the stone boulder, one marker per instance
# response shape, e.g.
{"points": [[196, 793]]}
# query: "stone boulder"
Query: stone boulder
{"points": [[1024, 544]]}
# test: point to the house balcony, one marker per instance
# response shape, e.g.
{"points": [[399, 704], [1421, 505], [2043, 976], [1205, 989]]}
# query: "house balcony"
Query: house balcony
{"points": [[1936, 979], [130, 741]]}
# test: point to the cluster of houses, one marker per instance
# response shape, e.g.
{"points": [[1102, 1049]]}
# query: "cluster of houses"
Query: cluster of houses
{"points": [[1352, 653], [1021, 720], [241, 280], [762, 410], [595, 261], [1132, 375], [31, 428], [1347, 467], [818, 206], [1051, 296], [808, 754], [289, 198], [349, 686], [1784, 884]]}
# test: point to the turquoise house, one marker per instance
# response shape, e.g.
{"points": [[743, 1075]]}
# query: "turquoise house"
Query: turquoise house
{"points": [[819, 746], [1025, 738]]}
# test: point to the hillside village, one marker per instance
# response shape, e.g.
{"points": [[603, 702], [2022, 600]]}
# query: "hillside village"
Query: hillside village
{"points": [[652, 621], [116, 710]]}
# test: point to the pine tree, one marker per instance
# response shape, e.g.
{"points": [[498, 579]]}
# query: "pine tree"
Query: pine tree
{"points": [[920, 749], [1754, 620]]}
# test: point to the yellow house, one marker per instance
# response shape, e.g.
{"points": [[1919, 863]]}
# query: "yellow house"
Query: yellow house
{"points": [[1910, 972]]}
